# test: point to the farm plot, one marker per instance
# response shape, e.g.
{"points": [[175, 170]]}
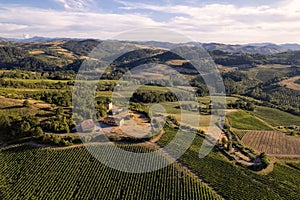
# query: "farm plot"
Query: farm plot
{"points": [[245, 121], [238, 183], [272, 142], [291, 83], [276, 117], [36, 173]]}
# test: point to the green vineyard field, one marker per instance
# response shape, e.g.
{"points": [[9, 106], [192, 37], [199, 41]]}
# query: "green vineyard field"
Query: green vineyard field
{"points": [[234, 182], [37, 173]]}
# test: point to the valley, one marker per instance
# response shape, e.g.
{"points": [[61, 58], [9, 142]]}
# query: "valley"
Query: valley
{"points": [[43, 152]]}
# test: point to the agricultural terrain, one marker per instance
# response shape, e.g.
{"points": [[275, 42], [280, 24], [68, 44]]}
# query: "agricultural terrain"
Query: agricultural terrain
{"points": [[273, 142], [257, 155]]}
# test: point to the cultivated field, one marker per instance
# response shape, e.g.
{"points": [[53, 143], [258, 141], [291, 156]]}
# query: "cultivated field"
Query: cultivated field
{"points": [[276, 117], [35, 173], [272, 142], [290, 83], [238, 183], [245, 121]]}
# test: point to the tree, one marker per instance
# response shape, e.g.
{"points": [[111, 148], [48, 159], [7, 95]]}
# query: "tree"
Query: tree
{"points": [[229, 146], [25, 127], [26, 103], [264, 160], [38, 131], [56, 139], [250, 106], [59, 111]]}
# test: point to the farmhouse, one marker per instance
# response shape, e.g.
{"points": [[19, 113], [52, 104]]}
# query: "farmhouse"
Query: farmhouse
{"points": [[108, 105], [115, 121], [87, 125], [115, 115]]}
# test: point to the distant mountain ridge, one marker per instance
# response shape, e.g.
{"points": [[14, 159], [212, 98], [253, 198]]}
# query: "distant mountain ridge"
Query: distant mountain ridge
{"points": [[254, 48], [37, 39], [251, 48]]}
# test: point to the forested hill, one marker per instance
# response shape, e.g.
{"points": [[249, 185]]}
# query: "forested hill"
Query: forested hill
{"points": [[69, 54]]}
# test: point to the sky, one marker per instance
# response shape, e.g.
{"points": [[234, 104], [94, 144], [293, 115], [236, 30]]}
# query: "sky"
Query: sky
{"points": [[223, 21]]}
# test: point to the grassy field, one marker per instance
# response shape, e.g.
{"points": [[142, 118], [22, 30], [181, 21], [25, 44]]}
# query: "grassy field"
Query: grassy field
{"points": [[243, 120], [272, 142], [172, 108], [267, 72], [10, 107], [37, 173], [276, 117]]}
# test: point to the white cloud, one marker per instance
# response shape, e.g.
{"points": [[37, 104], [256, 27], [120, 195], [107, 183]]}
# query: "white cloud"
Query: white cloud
{"points": [[214, 22], [9, 27], [229, 23], [77, 5], [52, 23]]}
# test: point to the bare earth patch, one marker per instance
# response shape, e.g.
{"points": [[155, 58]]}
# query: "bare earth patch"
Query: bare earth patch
{"points": [[290, 83]]}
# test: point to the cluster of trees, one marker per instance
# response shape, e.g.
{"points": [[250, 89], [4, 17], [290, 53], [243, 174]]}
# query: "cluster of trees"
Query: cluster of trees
{"points": [[81, 48], [63, 98], [263, 164], [59, 140], [54, 75], [246, 60], [139, 108], [201, 86], [280, 97], [16, 58], [101, 109], [229, 59], [153, 96], [60, 123], [106, 86], [156, 96], [242, 104], [270, 91], [39, 84], [13, 127]]}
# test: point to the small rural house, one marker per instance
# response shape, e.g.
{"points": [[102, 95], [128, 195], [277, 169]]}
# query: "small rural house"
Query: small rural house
{"points": [[108, 105], [87, 125]]}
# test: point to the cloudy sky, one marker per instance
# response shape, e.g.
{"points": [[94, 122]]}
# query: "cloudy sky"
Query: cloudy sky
{"points": [[226, 21]]}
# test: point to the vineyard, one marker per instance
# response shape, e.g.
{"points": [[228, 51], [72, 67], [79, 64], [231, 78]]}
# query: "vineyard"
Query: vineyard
{"points": [[243, 120], [35, 173], [276, 117], [272, 142], [233, 182], [240, 133]]}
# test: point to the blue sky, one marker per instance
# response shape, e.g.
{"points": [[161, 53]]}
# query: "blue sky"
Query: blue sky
{"points": [[227, 21]]}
